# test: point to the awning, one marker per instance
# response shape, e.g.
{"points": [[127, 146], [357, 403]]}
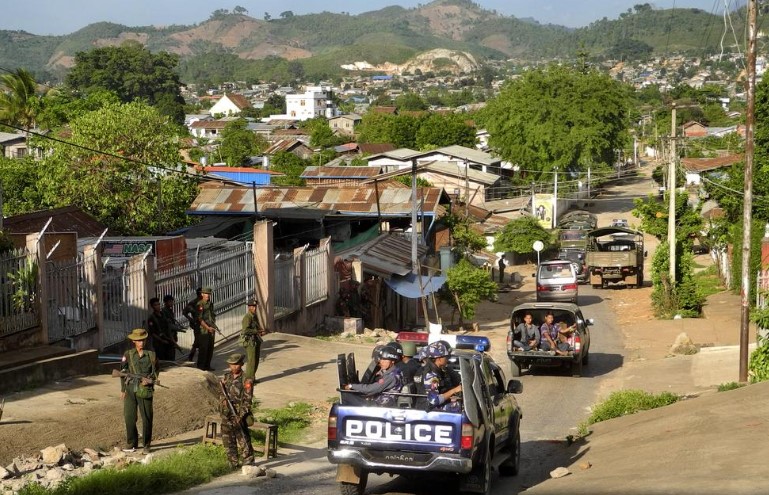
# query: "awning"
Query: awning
{"points": [[409, 285]]}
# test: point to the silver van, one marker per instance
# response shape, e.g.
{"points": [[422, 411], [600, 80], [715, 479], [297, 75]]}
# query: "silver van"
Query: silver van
{"points": [[557, 281]]}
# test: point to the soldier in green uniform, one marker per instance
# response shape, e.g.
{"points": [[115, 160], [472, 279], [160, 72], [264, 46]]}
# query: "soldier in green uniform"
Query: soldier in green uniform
{"points": [[251, 339], [160, 334], [137, 392], [190, 312], [235, 407], [207, 322]]}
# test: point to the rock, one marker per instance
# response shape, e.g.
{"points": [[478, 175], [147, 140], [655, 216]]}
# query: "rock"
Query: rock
{"points": [[91, 453], [148, 458], [87, 467], [55, 474], [684, 345], [585, 465], [25, 464], [53, 455], [270, 473], [12, 469], [252, 471], [4, 473], [559, 472], [68, 467], [87, 458]]}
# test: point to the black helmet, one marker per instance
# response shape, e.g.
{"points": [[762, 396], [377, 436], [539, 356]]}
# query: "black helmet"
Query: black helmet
{"points": [[397, 346], [389, 352]]}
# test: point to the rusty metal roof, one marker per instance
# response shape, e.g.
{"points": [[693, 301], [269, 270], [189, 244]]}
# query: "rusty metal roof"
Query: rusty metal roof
{"points": [[66, 219], [707, 164], [284, 145], [359, 200], [388, 254]]}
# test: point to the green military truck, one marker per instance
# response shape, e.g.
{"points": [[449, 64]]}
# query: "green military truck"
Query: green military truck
{"points": [[615, 254]]}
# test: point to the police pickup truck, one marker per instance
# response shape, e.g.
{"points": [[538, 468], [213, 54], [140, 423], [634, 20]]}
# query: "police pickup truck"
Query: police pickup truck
{"points": [[414, 439], [568, 313]]}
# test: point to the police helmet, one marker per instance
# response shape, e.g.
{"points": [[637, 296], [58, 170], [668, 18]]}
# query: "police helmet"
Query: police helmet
{"points": [[397, 347], [438, 349], [389, 352]]}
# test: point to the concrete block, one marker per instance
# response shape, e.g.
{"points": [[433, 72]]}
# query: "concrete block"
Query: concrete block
{"points": [[340, 324]]}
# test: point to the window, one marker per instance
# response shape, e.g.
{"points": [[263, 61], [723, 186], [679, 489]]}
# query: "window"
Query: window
{"points": [[301, 103], [21, 152]]}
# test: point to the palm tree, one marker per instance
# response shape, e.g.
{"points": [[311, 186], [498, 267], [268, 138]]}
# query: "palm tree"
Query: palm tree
{"points": [[18, 99]]}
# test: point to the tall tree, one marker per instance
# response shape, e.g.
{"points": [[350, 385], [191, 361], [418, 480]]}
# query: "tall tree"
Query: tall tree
{"points": [[133, 182], [558, 118], [437, 130], [238, 143], [133, 73], [19, 102]]}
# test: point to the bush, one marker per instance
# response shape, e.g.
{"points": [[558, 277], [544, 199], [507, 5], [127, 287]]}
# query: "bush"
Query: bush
{"points": [[758, 366], [625, 402], [724, 387]]}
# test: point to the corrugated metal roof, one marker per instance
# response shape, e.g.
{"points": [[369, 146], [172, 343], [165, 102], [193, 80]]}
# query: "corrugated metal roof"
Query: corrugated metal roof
{"points": [[445, 168], [372, 148], [399, 154], [388, 254], [339, 172], [512, 204], [706, 164], [66, 219], [283, 145], [469, 154], [358, 200]]}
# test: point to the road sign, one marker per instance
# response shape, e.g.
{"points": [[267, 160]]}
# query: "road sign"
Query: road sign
{"points": [[538, 246]]}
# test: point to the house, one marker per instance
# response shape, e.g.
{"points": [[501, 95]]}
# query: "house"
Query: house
{"points": [[14, 145], [302, 135], [472, 158], [242, 175], [314, 102], [458, 181], [209, 129], [292, 146], [230, 104], [694, 129], [694, 167], [342, 176], [64, 219], [345, 124]]}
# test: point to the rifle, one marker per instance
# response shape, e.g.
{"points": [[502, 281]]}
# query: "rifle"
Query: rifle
{"points": [[123, 374], [228, 401]]}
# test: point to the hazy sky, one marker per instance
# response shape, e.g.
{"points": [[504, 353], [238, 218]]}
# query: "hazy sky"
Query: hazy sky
{"points": [[67, 16]]}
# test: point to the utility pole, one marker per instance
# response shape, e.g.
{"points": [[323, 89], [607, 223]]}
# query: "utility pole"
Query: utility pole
{"points": [[588, 183], [533, 211], [747, 208], [555, 197], [1, 205], [467, 191], [414, 261], [672, 200]]}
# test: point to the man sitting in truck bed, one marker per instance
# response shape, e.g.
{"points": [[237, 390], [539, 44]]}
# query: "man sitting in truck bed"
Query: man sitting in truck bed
{"points": [[387, 382], [441, 383]]}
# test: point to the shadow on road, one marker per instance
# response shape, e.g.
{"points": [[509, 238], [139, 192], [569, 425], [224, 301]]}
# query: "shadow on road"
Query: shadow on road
{"points": [[599, 364], [583, 301]]}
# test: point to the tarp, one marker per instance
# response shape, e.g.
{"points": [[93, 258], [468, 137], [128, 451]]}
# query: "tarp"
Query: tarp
{"points": [[409, 285]]}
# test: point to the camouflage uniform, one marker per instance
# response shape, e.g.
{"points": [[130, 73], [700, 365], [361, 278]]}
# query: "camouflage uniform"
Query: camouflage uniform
{"points": [[438, 381], [235, 432], [251, 340], [205, 313]]}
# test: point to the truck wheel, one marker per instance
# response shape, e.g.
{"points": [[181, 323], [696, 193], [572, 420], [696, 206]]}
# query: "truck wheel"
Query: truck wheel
{"points": [[585, 358], [576, 368], [355, 488], [511, 465], [640, 280], [515, 369]]}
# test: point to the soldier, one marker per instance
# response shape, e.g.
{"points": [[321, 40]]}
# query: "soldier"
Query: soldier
{"points": [[157, 326], [136, 393], [251, 339], [190, 312], [168, 313], [408, 365], [235, 406], [207, 321]]}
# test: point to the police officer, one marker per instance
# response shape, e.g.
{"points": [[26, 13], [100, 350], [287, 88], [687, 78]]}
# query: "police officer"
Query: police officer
{"points": [[388, 379], [235, 407], [408, 365], [204, 310], [251, 339], [137, 393], [441, 384]]}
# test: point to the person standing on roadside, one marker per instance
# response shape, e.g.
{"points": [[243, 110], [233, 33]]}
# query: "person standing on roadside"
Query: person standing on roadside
{"points": [[157, 326], [251, 339], [168, 314], [235, 407], [136, 392], [190, 312], [207, 322]]}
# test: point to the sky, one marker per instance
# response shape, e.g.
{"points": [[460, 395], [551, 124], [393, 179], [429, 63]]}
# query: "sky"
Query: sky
{"points": [[58, 17]]}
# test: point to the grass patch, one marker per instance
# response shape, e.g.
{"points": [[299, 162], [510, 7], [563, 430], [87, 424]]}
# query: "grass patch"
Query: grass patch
{"points": [[291, 420], [708, 282], [623, 403], [178, 471], [730, 386]]}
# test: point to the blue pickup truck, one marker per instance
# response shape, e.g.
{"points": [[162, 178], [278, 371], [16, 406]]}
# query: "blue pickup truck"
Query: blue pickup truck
{"points": [[412, 438]]}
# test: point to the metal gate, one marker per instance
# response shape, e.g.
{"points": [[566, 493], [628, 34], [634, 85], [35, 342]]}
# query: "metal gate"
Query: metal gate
{"points": [[18, 289], [70, 305]]}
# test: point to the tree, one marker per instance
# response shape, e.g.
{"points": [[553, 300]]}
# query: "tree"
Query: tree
{"points": [[289, 164], [437, 130], [134, 183], [133, 73], [61, 105], [399, 130], [238, 143], [267, 16], [240, 10], [519, 236], [286, 14], [558, 118], [321, 135], [467, 286], [19, 178], [465, 239], [19, 102], [410, 101]]}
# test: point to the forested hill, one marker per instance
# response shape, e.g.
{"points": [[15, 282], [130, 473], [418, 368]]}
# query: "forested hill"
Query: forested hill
{"points": [[321, 42]]}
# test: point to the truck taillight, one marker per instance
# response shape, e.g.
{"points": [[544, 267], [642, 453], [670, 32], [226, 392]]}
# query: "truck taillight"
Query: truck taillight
{"points": [[466, 443], [577, 343], [332, 427]]}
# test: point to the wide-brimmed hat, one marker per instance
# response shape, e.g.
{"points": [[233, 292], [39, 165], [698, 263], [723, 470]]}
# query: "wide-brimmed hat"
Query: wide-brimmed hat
{"points": [[236, 358], [138, 334]]}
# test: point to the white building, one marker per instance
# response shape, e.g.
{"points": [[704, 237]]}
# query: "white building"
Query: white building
{"points": [[314, 102]]}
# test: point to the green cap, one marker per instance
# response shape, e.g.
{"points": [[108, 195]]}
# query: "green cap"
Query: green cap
{"points": [[236, 358], [409, 348], [206, 290]]}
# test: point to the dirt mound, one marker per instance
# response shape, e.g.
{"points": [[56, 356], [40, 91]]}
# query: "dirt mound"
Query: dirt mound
{"points": [[88, 412]]}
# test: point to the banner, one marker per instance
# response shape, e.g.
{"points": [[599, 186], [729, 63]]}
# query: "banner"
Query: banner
{"points": [[543, 210]]}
